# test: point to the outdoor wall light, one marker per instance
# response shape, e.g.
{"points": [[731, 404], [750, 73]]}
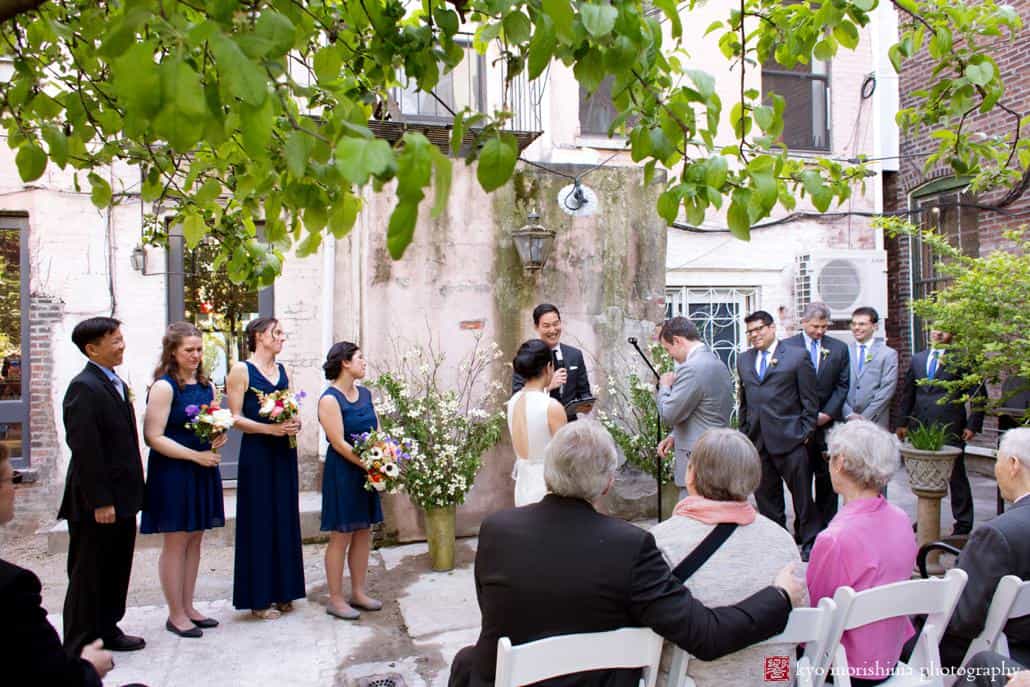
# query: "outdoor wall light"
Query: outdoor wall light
{"points": [[138, 259], [534, 243]]}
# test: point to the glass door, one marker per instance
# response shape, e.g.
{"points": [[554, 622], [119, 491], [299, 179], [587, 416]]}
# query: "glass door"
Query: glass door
{"points": [[14, 293]]}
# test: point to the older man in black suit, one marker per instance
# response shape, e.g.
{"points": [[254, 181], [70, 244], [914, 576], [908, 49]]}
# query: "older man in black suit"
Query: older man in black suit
{"points": [[927, 403], [570, 381], [997, 548], [559, 567], [831, 361], [103, 491], [778, 410]]}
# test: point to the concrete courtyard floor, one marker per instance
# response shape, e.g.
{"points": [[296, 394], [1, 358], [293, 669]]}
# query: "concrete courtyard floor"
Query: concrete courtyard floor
{"points": [[426, 617]]}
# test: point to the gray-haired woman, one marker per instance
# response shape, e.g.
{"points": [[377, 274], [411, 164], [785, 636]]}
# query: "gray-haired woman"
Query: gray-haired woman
{"points": [[724, 470]]}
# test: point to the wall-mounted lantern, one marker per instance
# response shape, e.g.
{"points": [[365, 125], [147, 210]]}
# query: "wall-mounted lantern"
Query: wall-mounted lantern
{"points": [[533, 243], [138, 259]]}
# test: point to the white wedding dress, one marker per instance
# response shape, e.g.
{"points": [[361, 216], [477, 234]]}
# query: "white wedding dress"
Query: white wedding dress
{"points": [[529, 469]]}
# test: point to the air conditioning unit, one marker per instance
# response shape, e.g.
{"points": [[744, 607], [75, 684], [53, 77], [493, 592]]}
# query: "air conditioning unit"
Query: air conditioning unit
{"points": [[843, 279]]}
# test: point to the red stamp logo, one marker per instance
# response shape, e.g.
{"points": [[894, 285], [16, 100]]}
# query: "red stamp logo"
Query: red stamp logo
{"points": [[777, 668]]}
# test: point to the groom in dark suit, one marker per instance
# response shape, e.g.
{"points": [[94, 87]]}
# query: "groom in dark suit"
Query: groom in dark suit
{"points": [[778, 410], [559, 567], [570, 381], [832, 362], [103, 491]]}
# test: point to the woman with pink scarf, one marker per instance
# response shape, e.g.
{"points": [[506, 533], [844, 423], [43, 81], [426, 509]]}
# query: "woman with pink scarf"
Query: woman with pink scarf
{"points": [[724, 470]]}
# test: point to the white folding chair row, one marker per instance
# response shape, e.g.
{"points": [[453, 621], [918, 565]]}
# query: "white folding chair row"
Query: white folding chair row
{"points": [[935, 598], [628, 647], [808, 626], [1011, 600]]}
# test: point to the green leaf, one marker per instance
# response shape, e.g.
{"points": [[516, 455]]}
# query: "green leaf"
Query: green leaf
{"points": [[517, 27], [31, 162], [297, 152], [864, 5], [541, 47], [57, 144], [669, 204], [589, 70], [194, 229], [496, 162], [825, 49], [561, 14], [763, 115], [327, 64], [401, 228], [310, 244], [257, 124], [208, 192], [277, 31], [703, 80], [442, 173], [672, 13], [764, 184], [244, 78], [446, 20], [846, 34], [598, 20], [980, 74], [737, 217], [716, 171], [357, 158], [344, 214]]}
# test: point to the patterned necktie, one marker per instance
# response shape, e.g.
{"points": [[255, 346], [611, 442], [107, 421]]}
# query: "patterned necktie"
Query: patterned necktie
{"points": [[815, 354], [861, 357], [761, 365], [931, 372]]}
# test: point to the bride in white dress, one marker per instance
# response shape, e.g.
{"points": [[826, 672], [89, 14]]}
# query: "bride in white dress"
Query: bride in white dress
{"points": [[533, 418]]}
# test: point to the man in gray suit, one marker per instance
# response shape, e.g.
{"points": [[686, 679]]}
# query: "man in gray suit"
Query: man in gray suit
{"points": [[778, 410], [874, 372], [697, 396]]}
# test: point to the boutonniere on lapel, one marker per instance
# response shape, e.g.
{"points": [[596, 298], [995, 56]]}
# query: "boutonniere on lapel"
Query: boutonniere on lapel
{"points": [[773, 361], [129, 394], [824, 352], [869, 356]]}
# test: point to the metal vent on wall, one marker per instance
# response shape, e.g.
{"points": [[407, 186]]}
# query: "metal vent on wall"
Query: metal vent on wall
{"points": [[840, 284]]}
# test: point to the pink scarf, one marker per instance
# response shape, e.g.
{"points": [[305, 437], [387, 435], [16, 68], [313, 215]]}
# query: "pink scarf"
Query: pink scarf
{"points": [[714, 512]]}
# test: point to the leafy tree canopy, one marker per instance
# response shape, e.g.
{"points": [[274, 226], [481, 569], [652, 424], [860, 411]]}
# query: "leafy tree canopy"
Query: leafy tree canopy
{"points": [[235, 110]]}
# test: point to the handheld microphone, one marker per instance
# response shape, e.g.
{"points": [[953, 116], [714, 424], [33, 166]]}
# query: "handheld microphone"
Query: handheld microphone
{"points": [[559, 364]]}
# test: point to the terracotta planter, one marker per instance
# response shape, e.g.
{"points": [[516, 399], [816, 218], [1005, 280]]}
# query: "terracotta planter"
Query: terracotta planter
{"points": [[929, 471], [440, 536]]}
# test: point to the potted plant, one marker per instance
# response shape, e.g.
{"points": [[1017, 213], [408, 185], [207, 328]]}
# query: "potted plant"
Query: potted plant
{"points": [[929, 461], [454, 425], [633, 424]]}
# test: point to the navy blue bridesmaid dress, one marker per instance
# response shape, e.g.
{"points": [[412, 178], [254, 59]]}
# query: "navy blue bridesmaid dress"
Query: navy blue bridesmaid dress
{"points": [[182, 496], [269, 559], [346, 505]]}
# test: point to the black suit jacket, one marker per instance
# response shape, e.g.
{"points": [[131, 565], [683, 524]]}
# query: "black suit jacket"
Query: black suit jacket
{"points": [[559, 567], [106, 468], [778, 412], [30, 649], [919, 402], [833, 376], [578, 384], [997, 548]]}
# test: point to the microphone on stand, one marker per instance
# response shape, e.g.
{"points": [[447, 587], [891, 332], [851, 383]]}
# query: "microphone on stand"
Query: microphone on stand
{"points": [[632, 340]]}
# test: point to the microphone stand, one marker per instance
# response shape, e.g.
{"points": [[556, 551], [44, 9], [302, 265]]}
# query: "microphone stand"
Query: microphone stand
{"points": [[658, 459]]}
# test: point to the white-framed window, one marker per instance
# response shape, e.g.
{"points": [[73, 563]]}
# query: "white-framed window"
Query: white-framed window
{"points": [[719, 314]]}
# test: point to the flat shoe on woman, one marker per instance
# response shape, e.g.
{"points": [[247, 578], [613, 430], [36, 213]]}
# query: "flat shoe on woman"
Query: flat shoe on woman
{"points": [[343, 615], [205, 623], [190, 633], [372, 605]]}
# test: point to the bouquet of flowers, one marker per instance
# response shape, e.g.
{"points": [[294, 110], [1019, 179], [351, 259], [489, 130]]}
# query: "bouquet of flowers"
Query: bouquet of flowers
{"points": [[209, 420], [280, 406], [383, 457]]}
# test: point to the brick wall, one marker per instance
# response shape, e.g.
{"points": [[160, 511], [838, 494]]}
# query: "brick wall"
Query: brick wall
{"points": [[1012, 59]]}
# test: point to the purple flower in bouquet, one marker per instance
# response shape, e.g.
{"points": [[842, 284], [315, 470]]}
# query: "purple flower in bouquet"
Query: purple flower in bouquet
{"points": [[192, 411]]}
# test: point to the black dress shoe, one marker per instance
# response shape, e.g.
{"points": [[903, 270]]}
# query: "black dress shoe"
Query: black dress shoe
{"points": [[191, 633], [124, 642], [206, 623]]}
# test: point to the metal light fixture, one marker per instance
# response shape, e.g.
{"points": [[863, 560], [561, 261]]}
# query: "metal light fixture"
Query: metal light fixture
{"points": [[534, 243], [138, 259]]}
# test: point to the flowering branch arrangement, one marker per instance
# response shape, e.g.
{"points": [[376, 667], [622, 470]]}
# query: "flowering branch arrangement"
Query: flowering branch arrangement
{"points": [[633, 423], [452, 424]]}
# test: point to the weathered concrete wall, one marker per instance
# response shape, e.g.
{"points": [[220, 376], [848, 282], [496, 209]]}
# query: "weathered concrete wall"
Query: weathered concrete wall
{"points": [[606, 274]]}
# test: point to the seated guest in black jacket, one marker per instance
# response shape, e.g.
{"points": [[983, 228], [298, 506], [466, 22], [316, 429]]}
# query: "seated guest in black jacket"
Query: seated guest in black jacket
{"points": [[559, 567], [30, 650], [997, 548]]}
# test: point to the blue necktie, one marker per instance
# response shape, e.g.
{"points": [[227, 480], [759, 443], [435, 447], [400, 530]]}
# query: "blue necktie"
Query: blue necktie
{"points": [[931, 372], [761, 365], [861, 357], [815, 354]]}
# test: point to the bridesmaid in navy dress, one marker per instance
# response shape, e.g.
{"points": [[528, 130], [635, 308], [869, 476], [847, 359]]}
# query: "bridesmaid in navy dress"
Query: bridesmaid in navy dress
{"points": [[269, 570], [348, 510], [184, 488]]}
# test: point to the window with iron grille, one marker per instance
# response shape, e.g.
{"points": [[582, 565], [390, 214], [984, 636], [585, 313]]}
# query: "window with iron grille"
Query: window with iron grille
{"points": [[464, 86], [806, 90]]}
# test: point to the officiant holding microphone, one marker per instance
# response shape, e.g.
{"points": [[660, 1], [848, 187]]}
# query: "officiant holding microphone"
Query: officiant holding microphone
{"points": [[570, 382]]}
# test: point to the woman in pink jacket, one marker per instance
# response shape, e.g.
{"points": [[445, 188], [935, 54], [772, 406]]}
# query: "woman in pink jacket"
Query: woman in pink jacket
{"points": [[869, 543]]}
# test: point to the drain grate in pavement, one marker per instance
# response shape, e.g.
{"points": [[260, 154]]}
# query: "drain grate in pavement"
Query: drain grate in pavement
{"points": [[386, 680]]}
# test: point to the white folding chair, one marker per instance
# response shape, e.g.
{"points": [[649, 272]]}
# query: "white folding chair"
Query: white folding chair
{"points": [[935, 598], [1011, 600], [808, 626], [628, 647]]}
